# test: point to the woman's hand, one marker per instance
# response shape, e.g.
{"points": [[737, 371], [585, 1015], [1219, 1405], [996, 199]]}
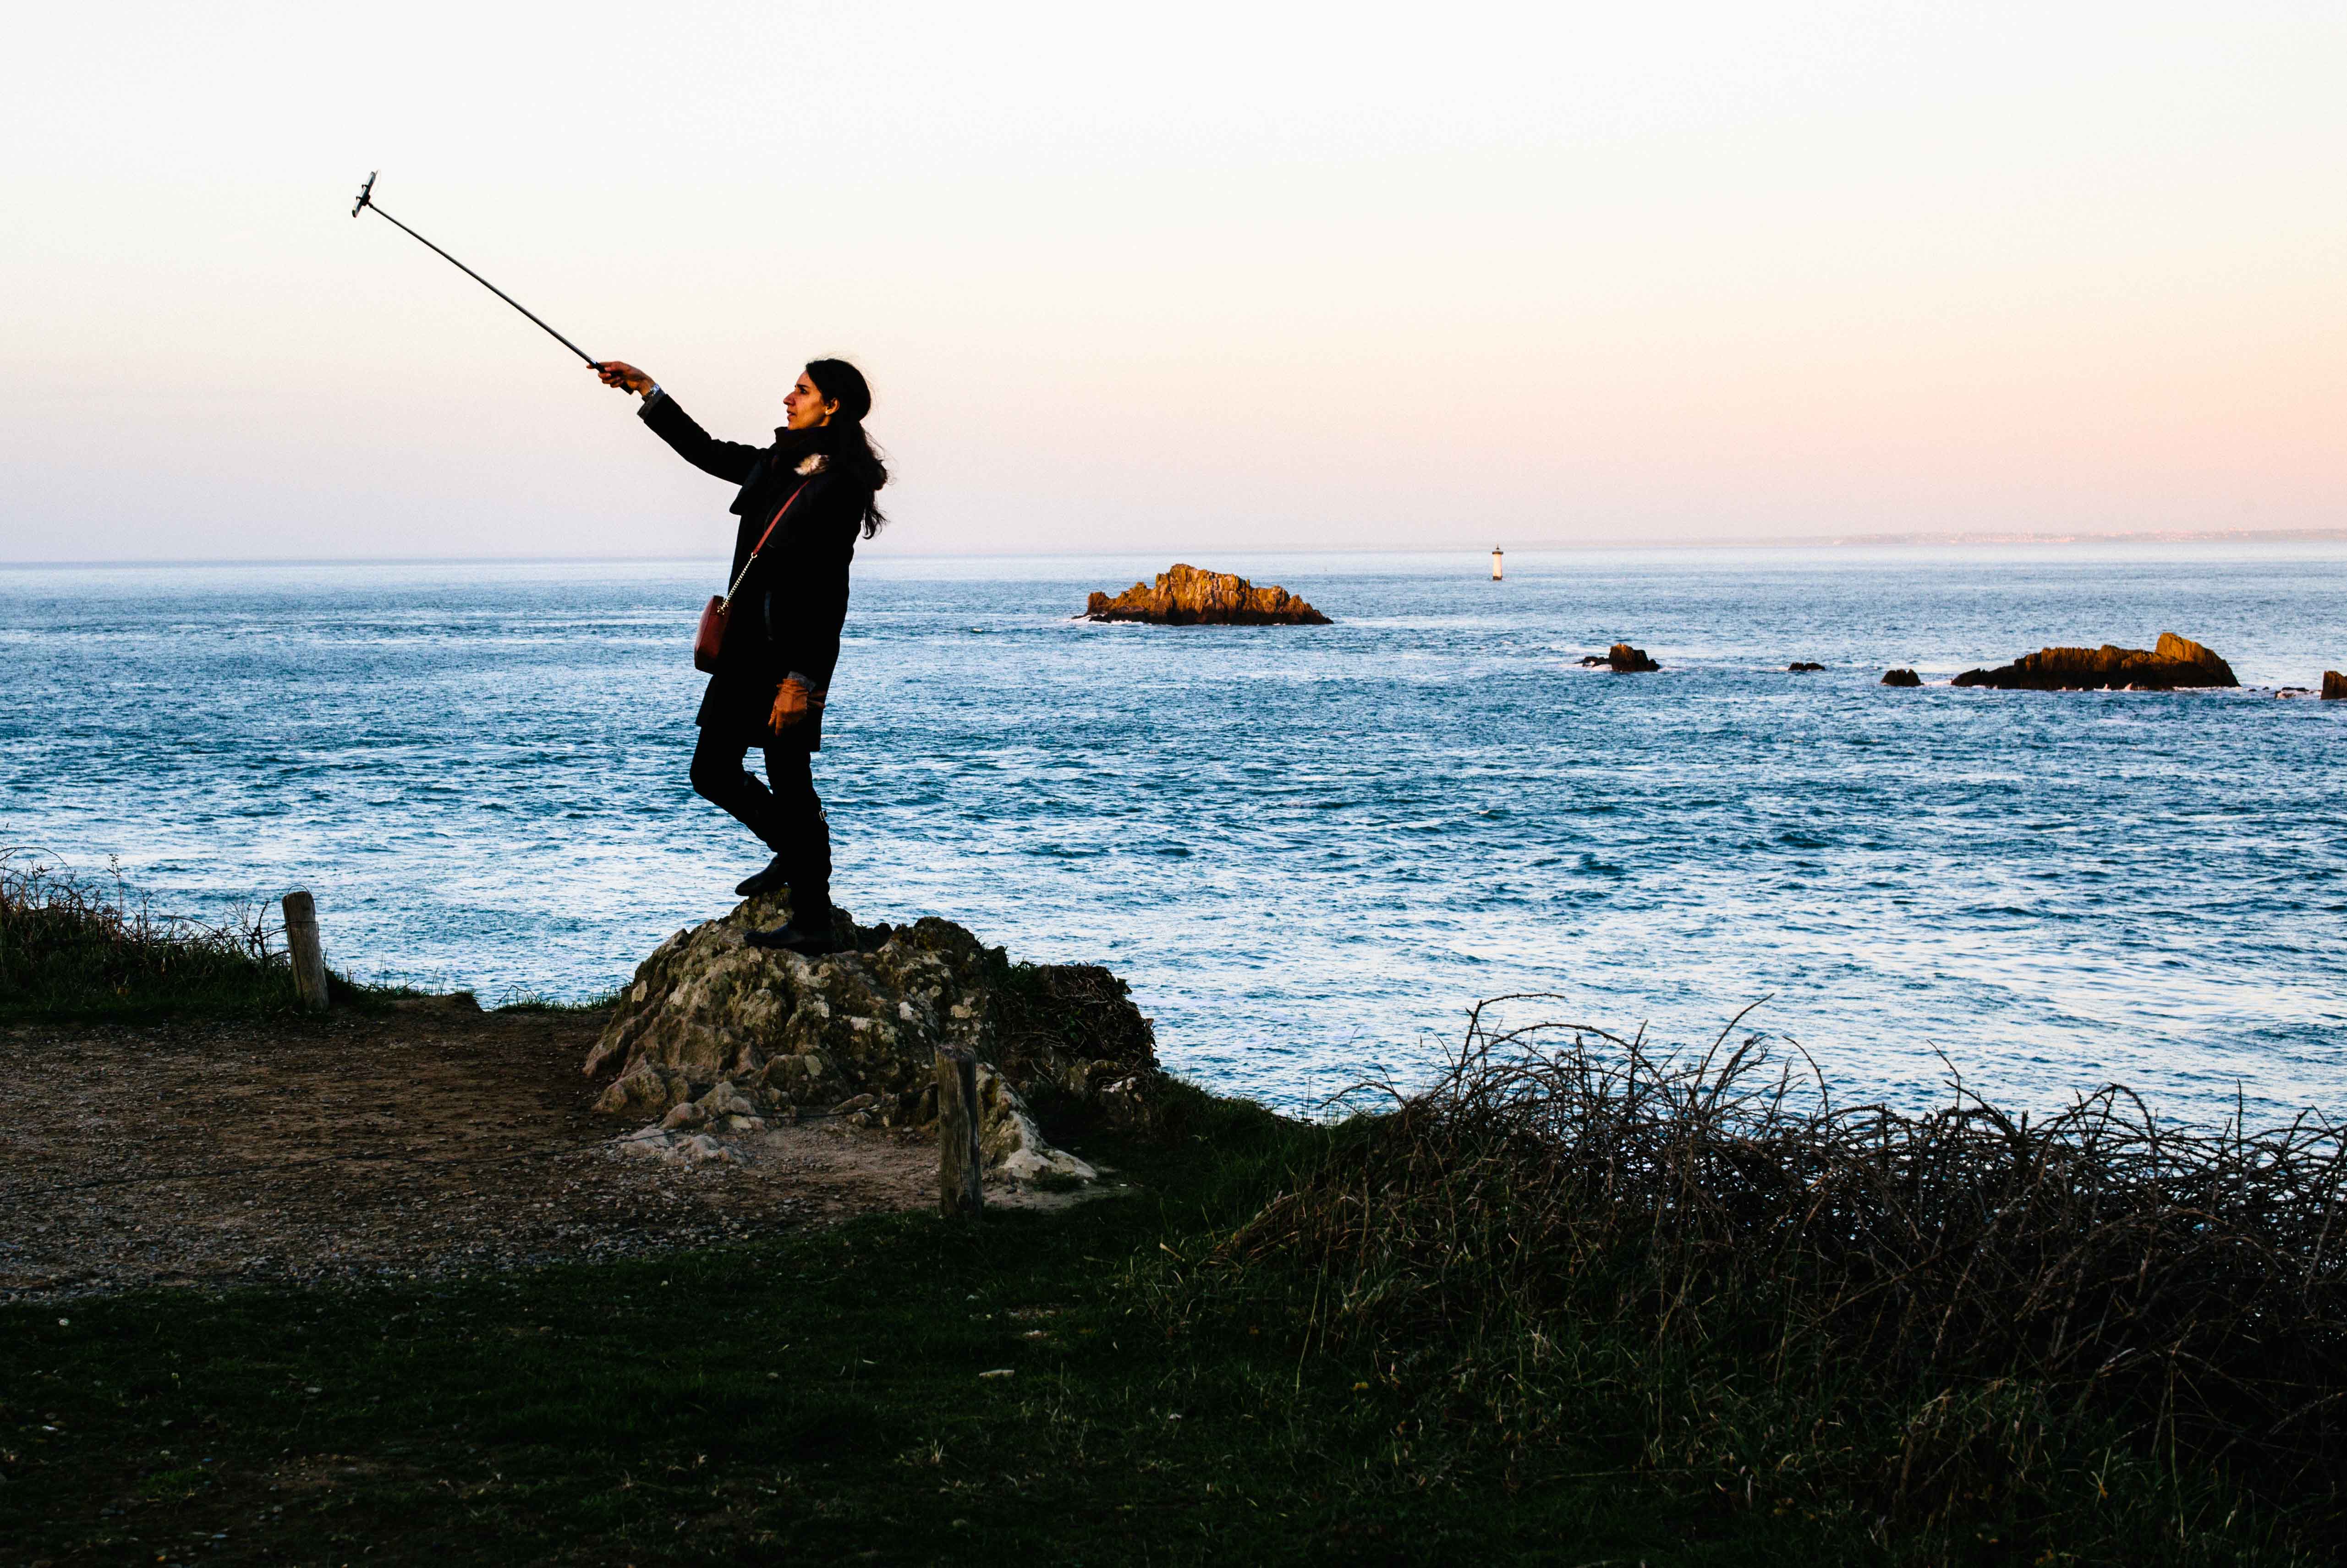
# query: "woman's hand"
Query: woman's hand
{"points": [[619, 372], [790, 706]]}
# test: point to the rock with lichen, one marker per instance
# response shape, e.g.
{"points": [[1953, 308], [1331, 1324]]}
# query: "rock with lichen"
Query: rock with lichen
{"points": [[716, 1036], [2173, 661], [1188, 597]]}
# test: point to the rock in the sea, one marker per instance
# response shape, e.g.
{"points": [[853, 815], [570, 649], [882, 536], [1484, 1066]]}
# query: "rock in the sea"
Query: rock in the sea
{"points": [[2175, 661], [1622, 657], [1802, 667], [1901, 678], [1629, 661], [2334, 686], [1188, 597], [716, 1035]]}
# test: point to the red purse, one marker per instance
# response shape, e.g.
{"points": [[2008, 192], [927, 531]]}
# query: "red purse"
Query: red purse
{"points": [[709, 638]]}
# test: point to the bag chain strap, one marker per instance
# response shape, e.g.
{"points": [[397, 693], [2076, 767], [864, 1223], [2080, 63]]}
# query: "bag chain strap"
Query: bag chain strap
{"points": [[761, 545]]}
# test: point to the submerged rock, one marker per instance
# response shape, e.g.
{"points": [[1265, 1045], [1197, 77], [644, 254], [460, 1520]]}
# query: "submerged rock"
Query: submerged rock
{"points": [[1188, 597], [1802, 667], [2175, 661], [1623, 658], [1901, 678], [716, 1035]]}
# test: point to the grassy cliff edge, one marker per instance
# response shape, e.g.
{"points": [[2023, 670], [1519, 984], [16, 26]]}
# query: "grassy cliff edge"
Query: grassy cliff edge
{"points": [[1576, 1300]]}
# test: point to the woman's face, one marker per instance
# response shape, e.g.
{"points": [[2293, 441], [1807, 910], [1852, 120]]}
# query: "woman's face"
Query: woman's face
{"points": [[804, 408]]}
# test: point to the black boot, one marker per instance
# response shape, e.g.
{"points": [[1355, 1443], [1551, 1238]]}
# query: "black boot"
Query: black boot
{"points": [[770, 880], [809, 930]]}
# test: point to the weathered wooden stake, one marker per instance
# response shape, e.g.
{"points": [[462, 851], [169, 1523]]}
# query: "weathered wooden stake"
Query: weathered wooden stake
{"points": [[302, 945], [959, 1157]]}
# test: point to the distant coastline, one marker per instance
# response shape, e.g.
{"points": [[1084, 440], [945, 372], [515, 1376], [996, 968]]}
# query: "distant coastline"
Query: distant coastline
{"points": [[1941, 538], [1982, 537]]}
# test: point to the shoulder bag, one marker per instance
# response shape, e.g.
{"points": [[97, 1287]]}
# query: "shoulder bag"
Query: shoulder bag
{"points": [[709, 638]]}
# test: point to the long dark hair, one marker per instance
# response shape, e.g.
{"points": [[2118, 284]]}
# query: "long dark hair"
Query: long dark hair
{"points": [[844, 440]]}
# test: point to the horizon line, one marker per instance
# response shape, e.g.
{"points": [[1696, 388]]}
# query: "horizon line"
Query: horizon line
{"points": [[1923, 540]]}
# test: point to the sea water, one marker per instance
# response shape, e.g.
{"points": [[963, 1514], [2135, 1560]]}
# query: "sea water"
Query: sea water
{"points": [[1309, 850]]}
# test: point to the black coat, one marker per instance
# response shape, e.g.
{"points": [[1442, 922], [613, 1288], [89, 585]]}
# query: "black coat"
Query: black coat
{"points": [[788, 611]]}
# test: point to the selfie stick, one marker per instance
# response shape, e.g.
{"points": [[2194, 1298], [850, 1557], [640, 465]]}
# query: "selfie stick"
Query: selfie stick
{"points": [[367, 204]]}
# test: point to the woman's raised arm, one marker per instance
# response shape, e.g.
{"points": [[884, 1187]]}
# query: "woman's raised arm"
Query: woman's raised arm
{"points": [[728, 460]]}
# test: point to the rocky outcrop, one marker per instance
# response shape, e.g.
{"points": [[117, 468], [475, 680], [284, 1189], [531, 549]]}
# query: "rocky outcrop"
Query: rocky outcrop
{"points": [[1188, 597], [2334, 686], [716, 1036], [1623, 659], [1802, 667], [2175, 661], [1629, 661], [1901, 678]]}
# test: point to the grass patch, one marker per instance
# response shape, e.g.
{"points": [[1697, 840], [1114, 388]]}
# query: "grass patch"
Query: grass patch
{"points": [[520, 1000], [77, 948], [83, 949], [2090, 1337]]}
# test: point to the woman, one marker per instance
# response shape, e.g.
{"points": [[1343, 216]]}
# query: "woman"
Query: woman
{"points": [[807, 496]]}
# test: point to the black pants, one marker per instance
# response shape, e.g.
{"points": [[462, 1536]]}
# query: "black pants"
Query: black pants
{"points": [[788, 816]]}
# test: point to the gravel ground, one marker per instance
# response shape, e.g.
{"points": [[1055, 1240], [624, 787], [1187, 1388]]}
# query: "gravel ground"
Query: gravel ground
{"points": [[431, 1140]]}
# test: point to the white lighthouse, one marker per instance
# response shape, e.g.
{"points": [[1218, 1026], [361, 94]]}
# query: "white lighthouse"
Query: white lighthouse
{"points": [[1496, 564]]}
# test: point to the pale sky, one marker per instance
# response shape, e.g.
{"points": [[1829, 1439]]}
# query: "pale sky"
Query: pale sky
{"points": [[1182, 278]]}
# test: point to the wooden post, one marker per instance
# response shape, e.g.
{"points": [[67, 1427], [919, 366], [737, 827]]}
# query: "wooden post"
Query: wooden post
{"points": [[302, 945], [960, 1158]]}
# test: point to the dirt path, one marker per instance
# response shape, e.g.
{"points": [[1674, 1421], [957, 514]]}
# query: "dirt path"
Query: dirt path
{"points": [[424, 1142]]}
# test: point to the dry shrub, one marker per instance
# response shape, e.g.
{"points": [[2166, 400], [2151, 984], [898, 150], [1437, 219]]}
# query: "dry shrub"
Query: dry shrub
{"points": [[74, 945], [1068, 1032], [1914, 1310]]}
